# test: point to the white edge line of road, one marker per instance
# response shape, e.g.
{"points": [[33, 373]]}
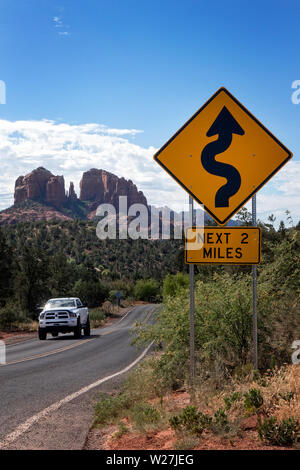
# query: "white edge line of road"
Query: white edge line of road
{"points": [[22, 428]]}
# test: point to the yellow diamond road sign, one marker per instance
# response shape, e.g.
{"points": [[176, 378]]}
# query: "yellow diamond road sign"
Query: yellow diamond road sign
{"points": [[222, 156]]}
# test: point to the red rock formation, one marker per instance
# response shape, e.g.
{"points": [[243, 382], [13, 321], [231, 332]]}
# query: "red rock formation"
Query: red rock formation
{"points": [[20, 190], [47, 193], [55, 191], [72, 196], [98, 186], [91, 185], [32, 186], [41, 185]]}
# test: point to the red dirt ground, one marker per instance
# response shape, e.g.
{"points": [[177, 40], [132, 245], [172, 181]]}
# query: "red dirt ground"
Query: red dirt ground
{"points": [[166, 439]]}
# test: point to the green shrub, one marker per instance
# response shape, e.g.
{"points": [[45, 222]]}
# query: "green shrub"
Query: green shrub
{"points": [[287, 396], [285, 433], [230, 399], [220, 422], [174, 284], [125, 287], [143, 383], [108, 409], [97, 317], [253, 400], [144, 414], [243, 371], [91, 292], [175, 422], [146, 289], [195, 422], [122, 429], [223, 326], [8, 316], [191, 420], [169, 370]]}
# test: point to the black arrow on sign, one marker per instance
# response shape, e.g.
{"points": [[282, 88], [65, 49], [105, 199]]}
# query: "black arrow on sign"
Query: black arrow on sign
{"points": [[225, 125]]}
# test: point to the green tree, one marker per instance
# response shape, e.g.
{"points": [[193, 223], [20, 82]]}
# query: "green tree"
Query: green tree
{"points": [[146, 289], [6, 269], [91, 292], [32, 280], [174, 284], [62, 275]]}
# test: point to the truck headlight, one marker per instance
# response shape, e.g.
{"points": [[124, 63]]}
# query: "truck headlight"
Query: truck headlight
{"points": [[42, 315], [72, 315]]}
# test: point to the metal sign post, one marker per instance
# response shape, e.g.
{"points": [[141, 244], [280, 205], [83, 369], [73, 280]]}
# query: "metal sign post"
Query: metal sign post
{"points": [[254, 294], [192, 308]]}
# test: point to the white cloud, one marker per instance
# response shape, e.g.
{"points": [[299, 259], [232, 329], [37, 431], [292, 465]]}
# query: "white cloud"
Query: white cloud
{"points": [[58, 23], [71, 149], [281, 193]]}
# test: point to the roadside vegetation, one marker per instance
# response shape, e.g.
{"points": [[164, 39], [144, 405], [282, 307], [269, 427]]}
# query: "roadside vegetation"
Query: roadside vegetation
{"points": [[249, 411], [47, 259], [50, 259], [231, 400]]}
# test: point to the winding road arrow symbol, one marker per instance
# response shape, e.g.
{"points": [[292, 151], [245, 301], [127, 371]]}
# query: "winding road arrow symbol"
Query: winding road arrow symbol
{"points": [[225, 126]]}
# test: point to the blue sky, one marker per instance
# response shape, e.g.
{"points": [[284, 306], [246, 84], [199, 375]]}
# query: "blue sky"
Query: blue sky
{"points": [[143, 65]]}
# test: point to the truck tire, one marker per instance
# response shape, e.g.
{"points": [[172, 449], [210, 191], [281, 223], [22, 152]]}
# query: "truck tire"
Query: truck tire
{"points": [[55, 334], [77, 330], [42, 334], [87, 328]]}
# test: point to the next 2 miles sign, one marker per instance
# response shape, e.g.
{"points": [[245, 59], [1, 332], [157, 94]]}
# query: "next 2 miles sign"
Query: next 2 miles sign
{"points": [[222, 245]]}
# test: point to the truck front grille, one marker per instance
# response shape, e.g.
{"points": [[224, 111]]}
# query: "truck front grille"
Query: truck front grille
{"points": [[56, 315]]}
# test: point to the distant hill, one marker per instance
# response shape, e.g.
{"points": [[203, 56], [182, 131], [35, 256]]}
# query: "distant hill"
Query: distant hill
{"points": [[77, 240]]}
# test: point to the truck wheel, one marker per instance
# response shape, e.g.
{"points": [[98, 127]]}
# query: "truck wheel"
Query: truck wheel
{"points": [[55, 334], [87, 328], [42, 334], [77, 330]]}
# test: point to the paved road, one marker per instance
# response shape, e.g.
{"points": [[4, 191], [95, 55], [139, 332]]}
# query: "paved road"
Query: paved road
{"points": [[41, 373]]}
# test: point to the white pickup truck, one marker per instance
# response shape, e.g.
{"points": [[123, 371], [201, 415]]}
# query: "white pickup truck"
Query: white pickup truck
{"points": [[64, 315]]}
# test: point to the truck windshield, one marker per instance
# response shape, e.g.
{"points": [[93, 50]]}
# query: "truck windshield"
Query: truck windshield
{"points": [[57, 303]]}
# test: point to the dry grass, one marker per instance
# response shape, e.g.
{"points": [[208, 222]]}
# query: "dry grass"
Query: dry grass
{"points": [[27, 327], [146, 421], [281, 384], [276, 387]]}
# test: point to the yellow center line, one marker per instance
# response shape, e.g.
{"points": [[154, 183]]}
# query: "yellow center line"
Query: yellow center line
{"points": [[50, 353], [113, 328], [149, 315], [56, 351]]}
